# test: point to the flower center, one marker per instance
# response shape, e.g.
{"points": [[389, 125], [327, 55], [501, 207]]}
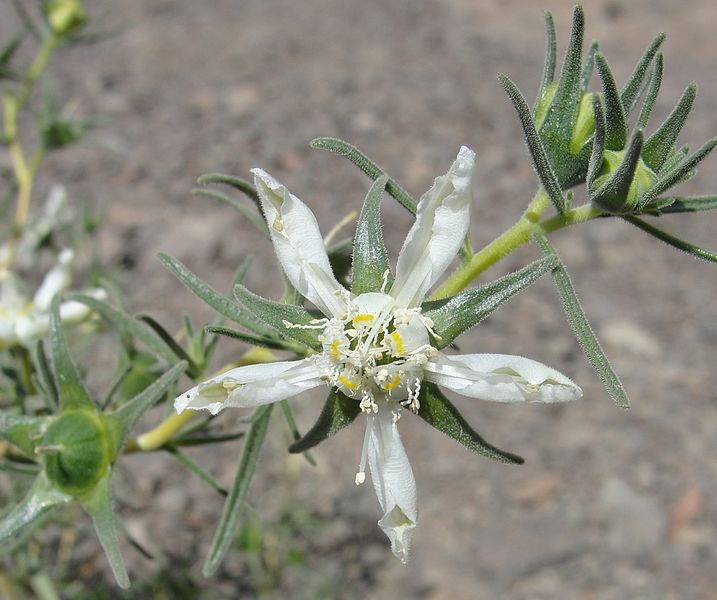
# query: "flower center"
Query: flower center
{"points": [[376, 352]]}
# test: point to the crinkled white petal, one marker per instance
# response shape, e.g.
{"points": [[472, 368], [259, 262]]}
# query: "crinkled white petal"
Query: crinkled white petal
{"points": [[57, 280], [442, 221], [501, 378], [251, 385], [299, 246], [75, 312], [393, 481]]}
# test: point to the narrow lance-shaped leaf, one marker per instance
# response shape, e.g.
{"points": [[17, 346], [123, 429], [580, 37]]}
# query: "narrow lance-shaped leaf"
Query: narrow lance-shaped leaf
{"points": [[45, 374], [652, 92], [237, 183], [588, 66], [438, 412], [296, 434], [196, 469], [596, 157], [550, 54], [72, 392], [580, 325], [254, 340], [217, 301], [278, 315], [535, 145], [40, 498], [370, 258], [234, 505], [631, 91], [172, 343], [659, 145], [690, 204], [123, 420], [671, 240], [670, 178], [452, 316], [99, 506], [251, 215], [615, 125], [338, 412], [127, 325], [369, 167]]}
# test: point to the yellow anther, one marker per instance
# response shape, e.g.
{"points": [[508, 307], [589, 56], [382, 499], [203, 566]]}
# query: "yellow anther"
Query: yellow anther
{"points": [[392, 384], [398, 342], [335, 349], [347, 383], [362, 318]]}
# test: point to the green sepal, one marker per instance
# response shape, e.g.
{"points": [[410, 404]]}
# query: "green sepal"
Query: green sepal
{"points": [[217, 301], [681, 204], [535, 145], [128, 326], [98, 504], [370, 258], [275, 313], [42, 497], [237, 183], [452, 316], [619, 194], [122, 421], [251, 215], [45, 377], [23, 431], [71, 391], [581, 327], [234, 505], [660, 144], [339, 411], [588, 66], [550, 58], [671, 240], [615, 125], [369, 167], [340, 257], [439, 413], [652, 92], [598, 149], [634, 85]]}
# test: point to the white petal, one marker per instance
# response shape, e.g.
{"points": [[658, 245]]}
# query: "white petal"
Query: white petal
{"points": [[31, 328], [501, 378], [442, 221], [56, 281], [251, 385], [74, 312], [299, 246], [393, 481]]}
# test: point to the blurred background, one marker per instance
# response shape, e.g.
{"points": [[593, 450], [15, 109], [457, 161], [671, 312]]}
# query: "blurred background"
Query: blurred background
{"points": [[610, 503]]}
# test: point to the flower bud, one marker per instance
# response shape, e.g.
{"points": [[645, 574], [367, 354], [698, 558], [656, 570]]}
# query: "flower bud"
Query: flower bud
{"points": [[608, 188], [65, 16]]}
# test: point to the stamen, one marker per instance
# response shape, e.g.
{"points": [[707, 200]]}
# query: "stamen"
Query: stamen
{"points": [[349, 384], [315, 324], [384, 285], [361, 475], [398, 341]]}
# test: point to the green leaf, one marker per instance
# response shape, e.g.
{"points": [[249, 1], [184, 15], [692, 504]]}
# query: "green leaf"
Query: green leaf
{"points": [[23, 431], [588, 66], [339, 411], [123, 420], [196, 469], [370, 258], [234, 505], [168, 339], [251, 215], [631, 91], [369, 167], [217, 301], [581, 327], [652, 92], [275, 314], [659, 145], [291, 422], [671, 240], [452, 316], [40, 498], [439, 413], [535, 145], [237, 183], [128, 326], [72, 392], [550, 55], [682, 204], [615, 125], [44, 373], [254, 340], [340, 255], [99, 505]]}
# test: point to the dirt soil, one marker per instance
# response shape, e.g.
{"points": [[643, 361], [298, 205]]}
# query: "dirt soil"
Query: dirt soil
{"points": [[611, 504]]}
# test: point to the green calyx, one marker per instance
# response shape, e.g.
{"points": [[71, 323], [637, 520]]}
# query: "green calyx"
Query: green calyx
{"points": [[584, 126], [77, 451], [643, 179], [65, 16]]}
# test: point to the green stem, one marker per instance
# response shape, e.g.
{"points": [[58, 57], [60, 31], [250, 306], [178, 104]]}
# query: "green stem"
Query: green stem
{"points": [[514, 237]]}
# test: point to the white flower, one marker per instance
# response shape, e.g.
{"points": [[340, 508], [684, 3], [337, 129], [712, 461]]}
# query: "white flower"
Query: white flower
{"points": [[377, 345], [24, 321]]}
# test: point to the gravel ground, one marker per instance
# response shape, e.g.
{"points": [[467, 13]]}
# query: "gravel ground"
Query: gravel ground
{"points": [[611, 504]]}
